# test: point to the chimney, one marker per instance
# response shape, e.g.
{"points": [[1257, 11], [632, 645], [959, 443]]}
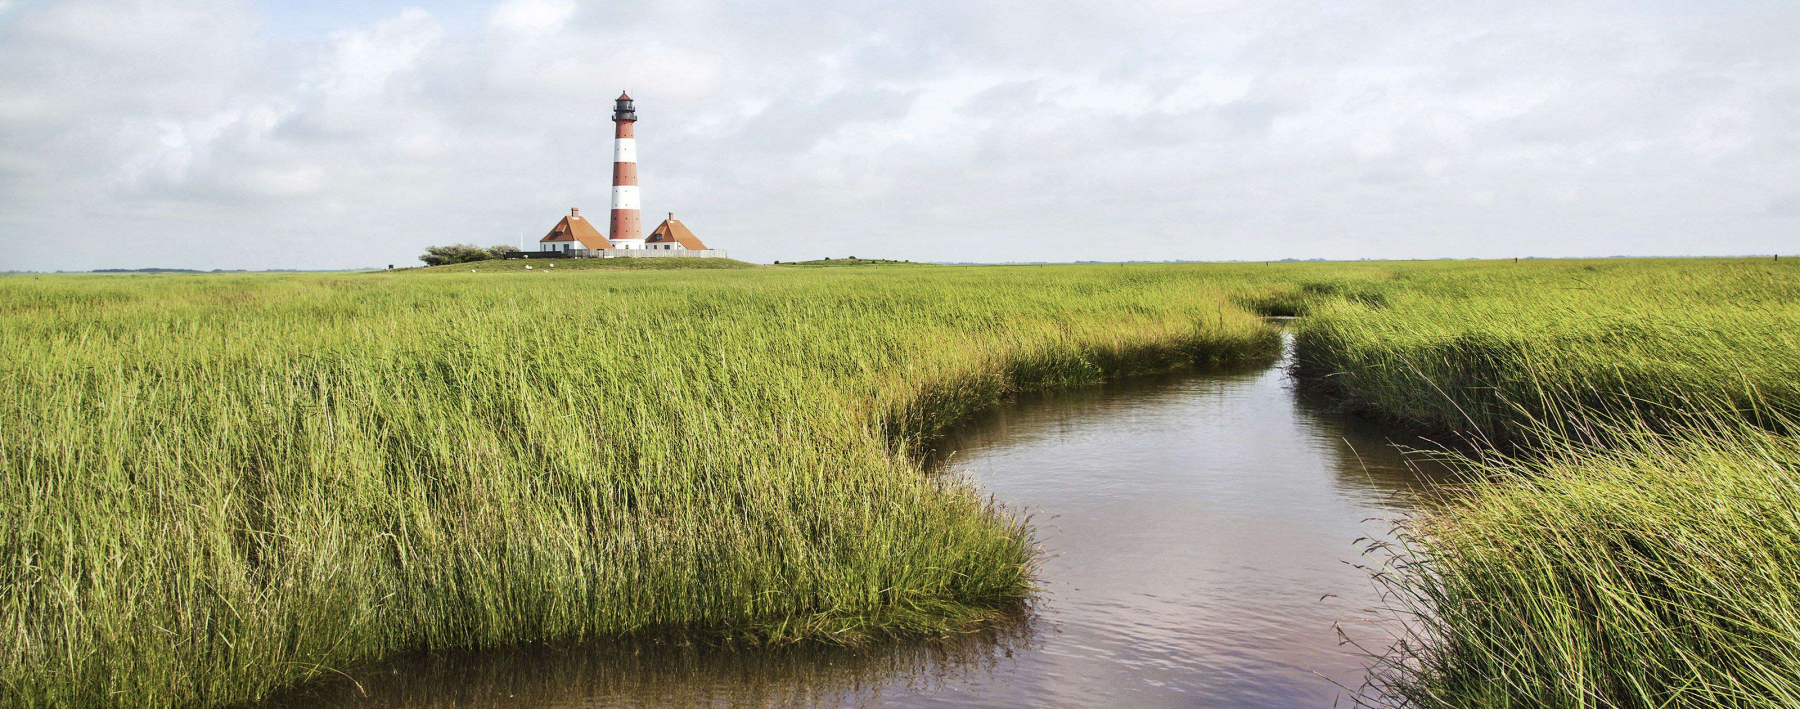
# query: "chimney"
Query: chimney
{"points": [[575, 212], [671, 216]]}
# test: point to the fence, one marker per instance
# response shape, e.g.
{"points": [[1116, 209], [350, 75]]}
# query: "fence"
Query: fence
{"points": [[620, 253]]}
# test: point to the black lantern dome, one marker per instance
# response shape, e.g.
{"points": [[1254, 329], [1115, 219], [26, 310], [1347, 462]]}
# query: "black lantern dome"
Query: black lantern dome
{"points": [[624, 109]]}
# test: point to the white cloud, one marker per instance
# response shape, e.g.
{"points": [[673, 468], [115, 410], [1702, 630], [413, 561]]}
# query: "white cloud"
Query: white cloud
{"points": [[533, 15], [965, 131], [366, 62]]}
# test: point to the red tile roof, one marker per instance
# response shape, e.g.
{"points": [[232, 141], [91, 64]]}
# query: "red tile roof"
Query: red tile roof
{"points": [[577, 229], [672, 230]]}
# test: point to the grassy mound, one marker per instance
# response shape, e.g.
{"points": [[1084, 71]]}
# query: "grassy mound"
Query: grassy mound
{"points": [[835, 262], [217, 486], [567, 265]]}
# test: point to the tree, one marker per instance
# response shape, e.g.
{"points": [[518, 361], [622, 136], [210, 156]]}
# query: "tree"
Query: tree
{"points": [[462, 253]]}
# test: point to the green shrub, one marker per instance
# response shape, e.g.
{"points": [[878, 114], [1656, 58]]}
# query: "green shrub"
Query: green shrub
{"points": [[462, 253]]}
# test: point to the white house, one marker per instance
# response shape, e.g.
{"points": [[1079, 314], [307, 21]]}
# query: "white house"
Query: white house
{"points": [[574, 233], [672, 235], [578, 236]]}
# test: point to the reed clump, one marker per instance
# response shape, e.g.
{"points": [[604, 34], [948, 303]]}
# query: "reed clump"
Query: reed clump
{"points": [[1659, 570], [1637, 542], [213, 487], [1496, 350]]}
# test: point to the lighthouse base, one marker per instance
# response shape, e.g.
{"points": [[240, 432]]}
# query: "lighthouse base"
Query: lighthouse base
{"points": [[636, 253]]}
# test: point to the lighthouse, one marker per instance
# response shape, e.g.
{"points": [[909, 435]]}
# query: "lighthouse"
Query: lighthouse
{"points": [[626, 231], [575, 237]]}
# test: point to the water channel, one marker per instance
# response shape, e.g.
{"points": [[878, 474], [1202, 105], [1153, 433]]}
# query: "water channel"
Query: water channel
{"points": [[1201, 533]]}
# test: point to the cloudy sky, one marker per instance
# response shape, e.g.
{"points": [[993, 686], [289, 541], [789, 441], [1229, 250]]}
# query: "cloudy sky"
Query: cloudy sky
{"points": [[345, 133]]}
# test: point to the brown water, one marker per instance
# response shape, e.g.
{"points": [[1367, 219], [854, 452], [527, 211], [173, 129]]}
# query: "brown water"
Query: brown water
{"points": [[1200, 529]]}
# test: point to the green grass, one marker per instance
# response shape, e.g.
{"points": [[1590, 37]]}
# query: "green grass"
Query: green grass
{"points": [[1497, 349], [566, 265], [1657, 571], [216, 486], [213, 487], [1641, 545]]}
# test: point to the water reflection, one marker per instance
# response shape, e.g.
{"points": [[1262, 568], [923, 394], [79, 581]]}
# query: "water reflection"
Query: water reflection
{"points": [[663, 673], [1201, 534]]}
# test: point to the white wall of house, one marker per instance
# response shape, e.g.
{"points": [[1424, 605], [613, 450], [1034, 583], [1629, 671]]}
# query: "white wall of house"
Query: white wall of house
{"points": [[673, 253]]}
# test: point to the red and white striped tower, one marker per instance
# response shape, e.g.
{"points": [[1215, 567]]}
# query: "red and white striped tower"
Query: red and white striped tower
{"points": [[626, 231]]}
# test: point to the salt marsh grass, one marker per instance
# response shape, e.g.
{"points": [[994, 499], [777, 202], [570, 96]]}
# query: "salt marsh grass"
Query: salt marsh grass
{"points": [[1660, 570], [215, 487], [1640, 545], [1497, 349], [212, 487]]}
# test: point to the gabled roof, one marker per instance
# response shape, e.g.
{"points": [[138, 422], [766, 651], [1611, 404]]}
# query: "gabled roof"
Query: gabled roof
{"points": [[672, 230], [577, 229]]}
